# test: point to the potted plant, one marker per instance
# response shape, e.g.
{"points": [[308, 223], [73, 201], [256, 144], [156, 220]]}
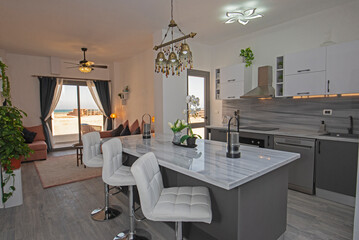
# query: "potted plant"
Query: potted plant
{"points": [[192, 111], [247, 55], [176, 128], [12, 144]]}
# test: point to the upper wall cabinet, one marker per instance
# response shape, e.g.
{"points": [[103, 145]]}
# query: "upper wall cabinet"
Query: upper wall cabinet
{"points": [[235, 80], [305, 62], [343, 68]]}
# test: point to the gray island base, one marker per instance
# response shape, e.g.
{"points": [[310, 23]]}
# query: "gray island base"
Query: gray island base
{"points": [[249, 194]]}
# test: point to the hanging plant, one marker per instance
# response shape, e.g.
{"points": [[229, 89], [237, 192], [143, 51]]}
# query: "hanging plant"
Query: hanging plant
{"points": [[5, 83], [248, 56], [12, 143]]}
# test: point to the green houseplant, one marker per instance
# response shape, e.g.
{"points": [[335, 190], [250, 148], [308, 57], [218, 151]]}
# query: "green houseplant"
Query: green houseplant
{"points": [[248, 56], [12, 143], [176, 128]]}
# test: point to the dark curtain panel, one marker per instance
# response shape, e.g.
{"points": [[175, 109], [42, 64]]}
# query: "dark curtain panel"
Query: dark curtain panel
{"points": [[104, 95], [47, 90]]}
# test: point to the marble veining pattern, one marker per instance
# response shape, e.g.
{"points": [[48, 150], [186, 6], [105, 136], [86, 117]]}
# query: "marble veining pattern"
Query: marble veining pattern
{"points": [[300, 114], [208, 161]]}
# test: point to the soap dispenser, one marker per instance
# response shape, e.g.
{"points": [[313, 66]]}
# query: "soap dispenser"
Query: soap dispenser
{"points": [[323, 128]]}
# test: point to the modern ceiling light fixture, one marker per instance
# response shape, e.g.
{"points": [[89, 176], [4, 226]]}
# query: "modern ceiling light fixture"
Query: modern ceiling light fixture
{"points": [[174, 63], [242, 17]]}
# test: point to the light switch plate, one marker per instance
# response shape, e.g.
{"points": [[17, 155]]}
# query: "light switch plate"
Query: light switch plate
{"points": [[327, 112]]}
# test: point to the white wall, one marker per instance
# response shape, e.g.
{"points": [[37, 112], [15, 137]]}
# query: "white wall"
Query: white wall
{"points": [[341, 23], [25, 90], [138, 73]]}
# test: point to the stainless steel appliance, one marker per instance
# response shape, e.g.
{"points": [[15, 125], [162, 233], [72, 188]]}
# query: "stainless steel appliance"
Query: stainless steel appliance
{"points": [[301, 171]]}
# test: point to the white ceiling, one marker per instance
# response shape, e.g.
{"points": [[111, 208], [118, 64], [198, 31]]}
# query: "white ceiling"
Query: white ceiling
{"points": [[113, 30]]}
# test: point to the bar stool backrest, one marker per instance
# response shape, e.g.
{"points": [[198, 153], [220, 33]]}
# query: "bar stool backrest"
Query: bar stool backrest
{"points": [[91, 146], [149, 182], [112, 157]]}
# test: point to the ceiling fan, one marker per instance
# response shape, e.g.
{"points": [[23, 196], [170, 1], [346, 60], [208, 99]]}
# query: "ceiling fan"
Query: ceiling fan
{"points": [[86, 66]]}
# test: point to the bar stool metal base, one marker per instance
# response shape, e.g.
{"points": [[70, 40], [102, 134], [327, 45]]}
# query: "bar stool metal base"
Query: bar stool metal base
{"points": [[139, 234], [101, 214]]}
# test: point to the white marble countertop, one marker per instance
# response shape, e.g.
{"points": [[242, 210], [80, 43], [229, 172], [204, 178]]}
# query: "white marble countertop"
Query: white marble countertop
{"points": [[208, 161], [290, 132]]}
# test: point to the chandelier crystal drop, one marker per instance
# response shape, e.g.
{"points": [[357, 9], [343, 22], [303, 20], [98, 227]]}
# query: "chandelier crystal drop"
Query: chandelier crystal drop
{"points": [[179, 55]]}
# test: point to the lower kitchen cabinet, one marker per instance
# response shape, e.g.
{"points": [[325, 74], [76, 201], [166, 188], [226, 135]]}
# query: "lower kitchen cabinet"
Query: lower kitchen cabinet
{"points": [[336, 166]]}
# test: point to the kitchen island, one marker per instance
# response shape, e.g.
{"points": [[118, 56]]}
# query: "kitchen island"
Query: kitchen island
{"points": [[249, 194]]}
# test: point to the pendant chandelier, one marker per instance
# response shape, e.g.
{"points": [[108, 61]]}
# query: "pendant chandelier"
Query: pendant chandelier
{"points": [[177, 51]]}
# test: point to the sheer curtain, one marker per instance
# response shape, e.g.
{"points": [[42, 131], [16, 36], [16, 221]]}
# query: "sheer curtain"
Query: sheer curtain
{"points": [[96, 98], [55, 101]]}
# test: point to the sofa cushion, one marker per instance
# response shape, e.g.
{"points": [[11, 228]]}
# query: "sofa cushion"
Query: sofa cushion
{"points": [[134, 126], [40, 136], [38, 145], [125, 123], [28, 136], [137, 131], [126, 131], [117, 131]]}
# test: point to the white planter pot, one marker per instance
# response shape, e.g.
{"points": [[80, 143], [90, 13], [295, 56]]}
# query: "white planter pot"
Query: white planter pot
{"points": [[16, 199]]}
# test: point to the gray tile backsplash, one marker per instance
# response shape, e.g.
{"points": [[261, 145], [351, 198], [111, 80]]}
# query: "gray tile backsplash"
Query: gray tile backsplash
{"points": [[303, 114]]}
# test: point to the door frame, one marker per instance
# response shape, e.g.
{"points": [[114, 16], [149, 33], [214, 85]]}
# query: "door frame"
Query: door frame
{"points": [[206, 76]]}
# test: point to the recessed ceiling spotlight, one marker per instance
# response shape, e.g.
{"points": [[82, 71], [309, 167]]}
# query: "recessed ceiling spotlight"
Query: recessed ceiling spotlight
{"points": [[242, 17]]}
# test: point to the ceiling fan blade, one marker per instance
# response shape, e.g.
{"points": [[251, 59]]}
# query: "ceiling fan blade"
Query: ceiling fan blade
{"points": [[73, 67], [72, 63], [99, 66]]}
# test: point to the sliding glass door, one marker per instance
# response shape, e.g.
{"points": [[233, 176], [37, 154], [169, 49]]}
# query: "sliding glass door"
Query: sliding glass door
{"points": [[198, 85], [75, 114]]}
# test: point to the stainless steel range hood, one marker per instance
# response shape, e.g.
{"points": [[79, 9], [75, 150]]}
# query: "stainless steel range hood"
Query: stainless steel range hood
{"points": [[264, 88]]}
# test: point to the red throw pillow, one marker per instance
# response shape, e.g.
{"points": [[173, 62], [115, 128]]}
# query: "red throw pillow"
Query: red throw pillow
{"points": [[134, 126]]}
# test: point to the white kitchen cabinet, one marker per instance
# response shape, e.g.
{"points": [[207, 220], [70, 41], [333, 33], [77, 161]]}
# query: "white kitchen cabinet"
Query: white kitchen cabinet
{"points": [[232, 90], [343, 68], [235, 81], [304, 84], [308, 61]]}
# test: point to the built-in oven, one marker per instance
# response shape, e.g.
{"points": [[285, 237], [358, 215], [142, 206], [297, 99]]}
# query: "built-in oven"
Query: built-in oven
{"points": [[256, 139]]}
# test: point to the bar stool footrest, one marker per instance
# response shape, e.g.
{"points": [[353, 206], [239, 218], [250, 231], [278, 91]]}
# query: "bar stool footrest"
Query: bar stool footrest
{"points": [[101, 215], [139, 234]]}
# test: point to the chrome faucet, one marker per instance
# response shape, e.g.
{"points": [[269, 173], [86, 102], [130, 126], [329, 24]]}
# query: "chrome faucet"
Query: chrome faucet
{"points": [[351, 129]]}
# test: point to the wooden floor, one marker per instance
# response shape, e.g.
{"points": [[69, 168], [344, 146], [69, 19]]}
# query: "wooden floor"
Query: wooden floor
{"points": [[63, 213]]}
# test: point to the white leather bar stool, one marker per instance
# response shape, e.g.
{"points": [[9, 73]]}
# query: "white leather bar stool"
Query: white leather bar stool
{"points": [[92, 157], [175, 204], [115, 174]]}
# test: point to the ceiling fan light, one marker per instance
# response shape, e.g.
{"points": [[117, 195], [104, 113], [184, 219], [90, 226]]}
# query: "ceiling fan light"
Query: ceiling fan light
{"points": [[85, 69]]}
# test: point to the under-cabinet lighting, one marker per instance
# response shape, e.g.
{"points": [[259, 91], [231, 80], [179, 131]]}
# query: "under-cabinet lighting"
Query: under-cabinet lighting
{"points": [[316, 96], [265, 98], [350, 95]]}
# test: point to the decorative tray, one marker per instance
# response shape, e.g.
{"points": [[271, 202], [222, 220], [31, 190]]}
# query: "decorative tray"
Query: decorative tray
{"points": [[184, 145]]}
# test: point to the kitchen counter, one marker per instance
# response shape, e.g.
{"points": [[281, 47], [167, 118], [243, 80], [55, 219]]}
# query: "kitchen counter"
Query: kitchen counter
{"points": [[248, 194], [208, 162], [290, 132]]}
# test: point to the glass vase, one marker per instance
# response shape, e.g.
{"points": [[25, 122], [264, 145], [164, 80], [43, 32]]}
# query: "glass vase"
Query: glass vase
{"points": [[177, 137]]}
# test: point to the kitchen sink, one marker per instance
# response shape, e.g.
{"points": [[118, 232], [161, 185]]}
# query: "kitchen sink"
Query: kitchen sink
{"points": [[344, 135]]}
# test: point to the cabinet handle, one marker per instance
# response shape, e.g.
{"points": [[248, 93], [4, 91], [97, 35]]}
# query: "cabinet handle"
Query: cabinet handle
{"points": [[268, 141], [301, 93], [328, 85], [304, 70], [319, 147], [231, 97], [231, 80]]}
